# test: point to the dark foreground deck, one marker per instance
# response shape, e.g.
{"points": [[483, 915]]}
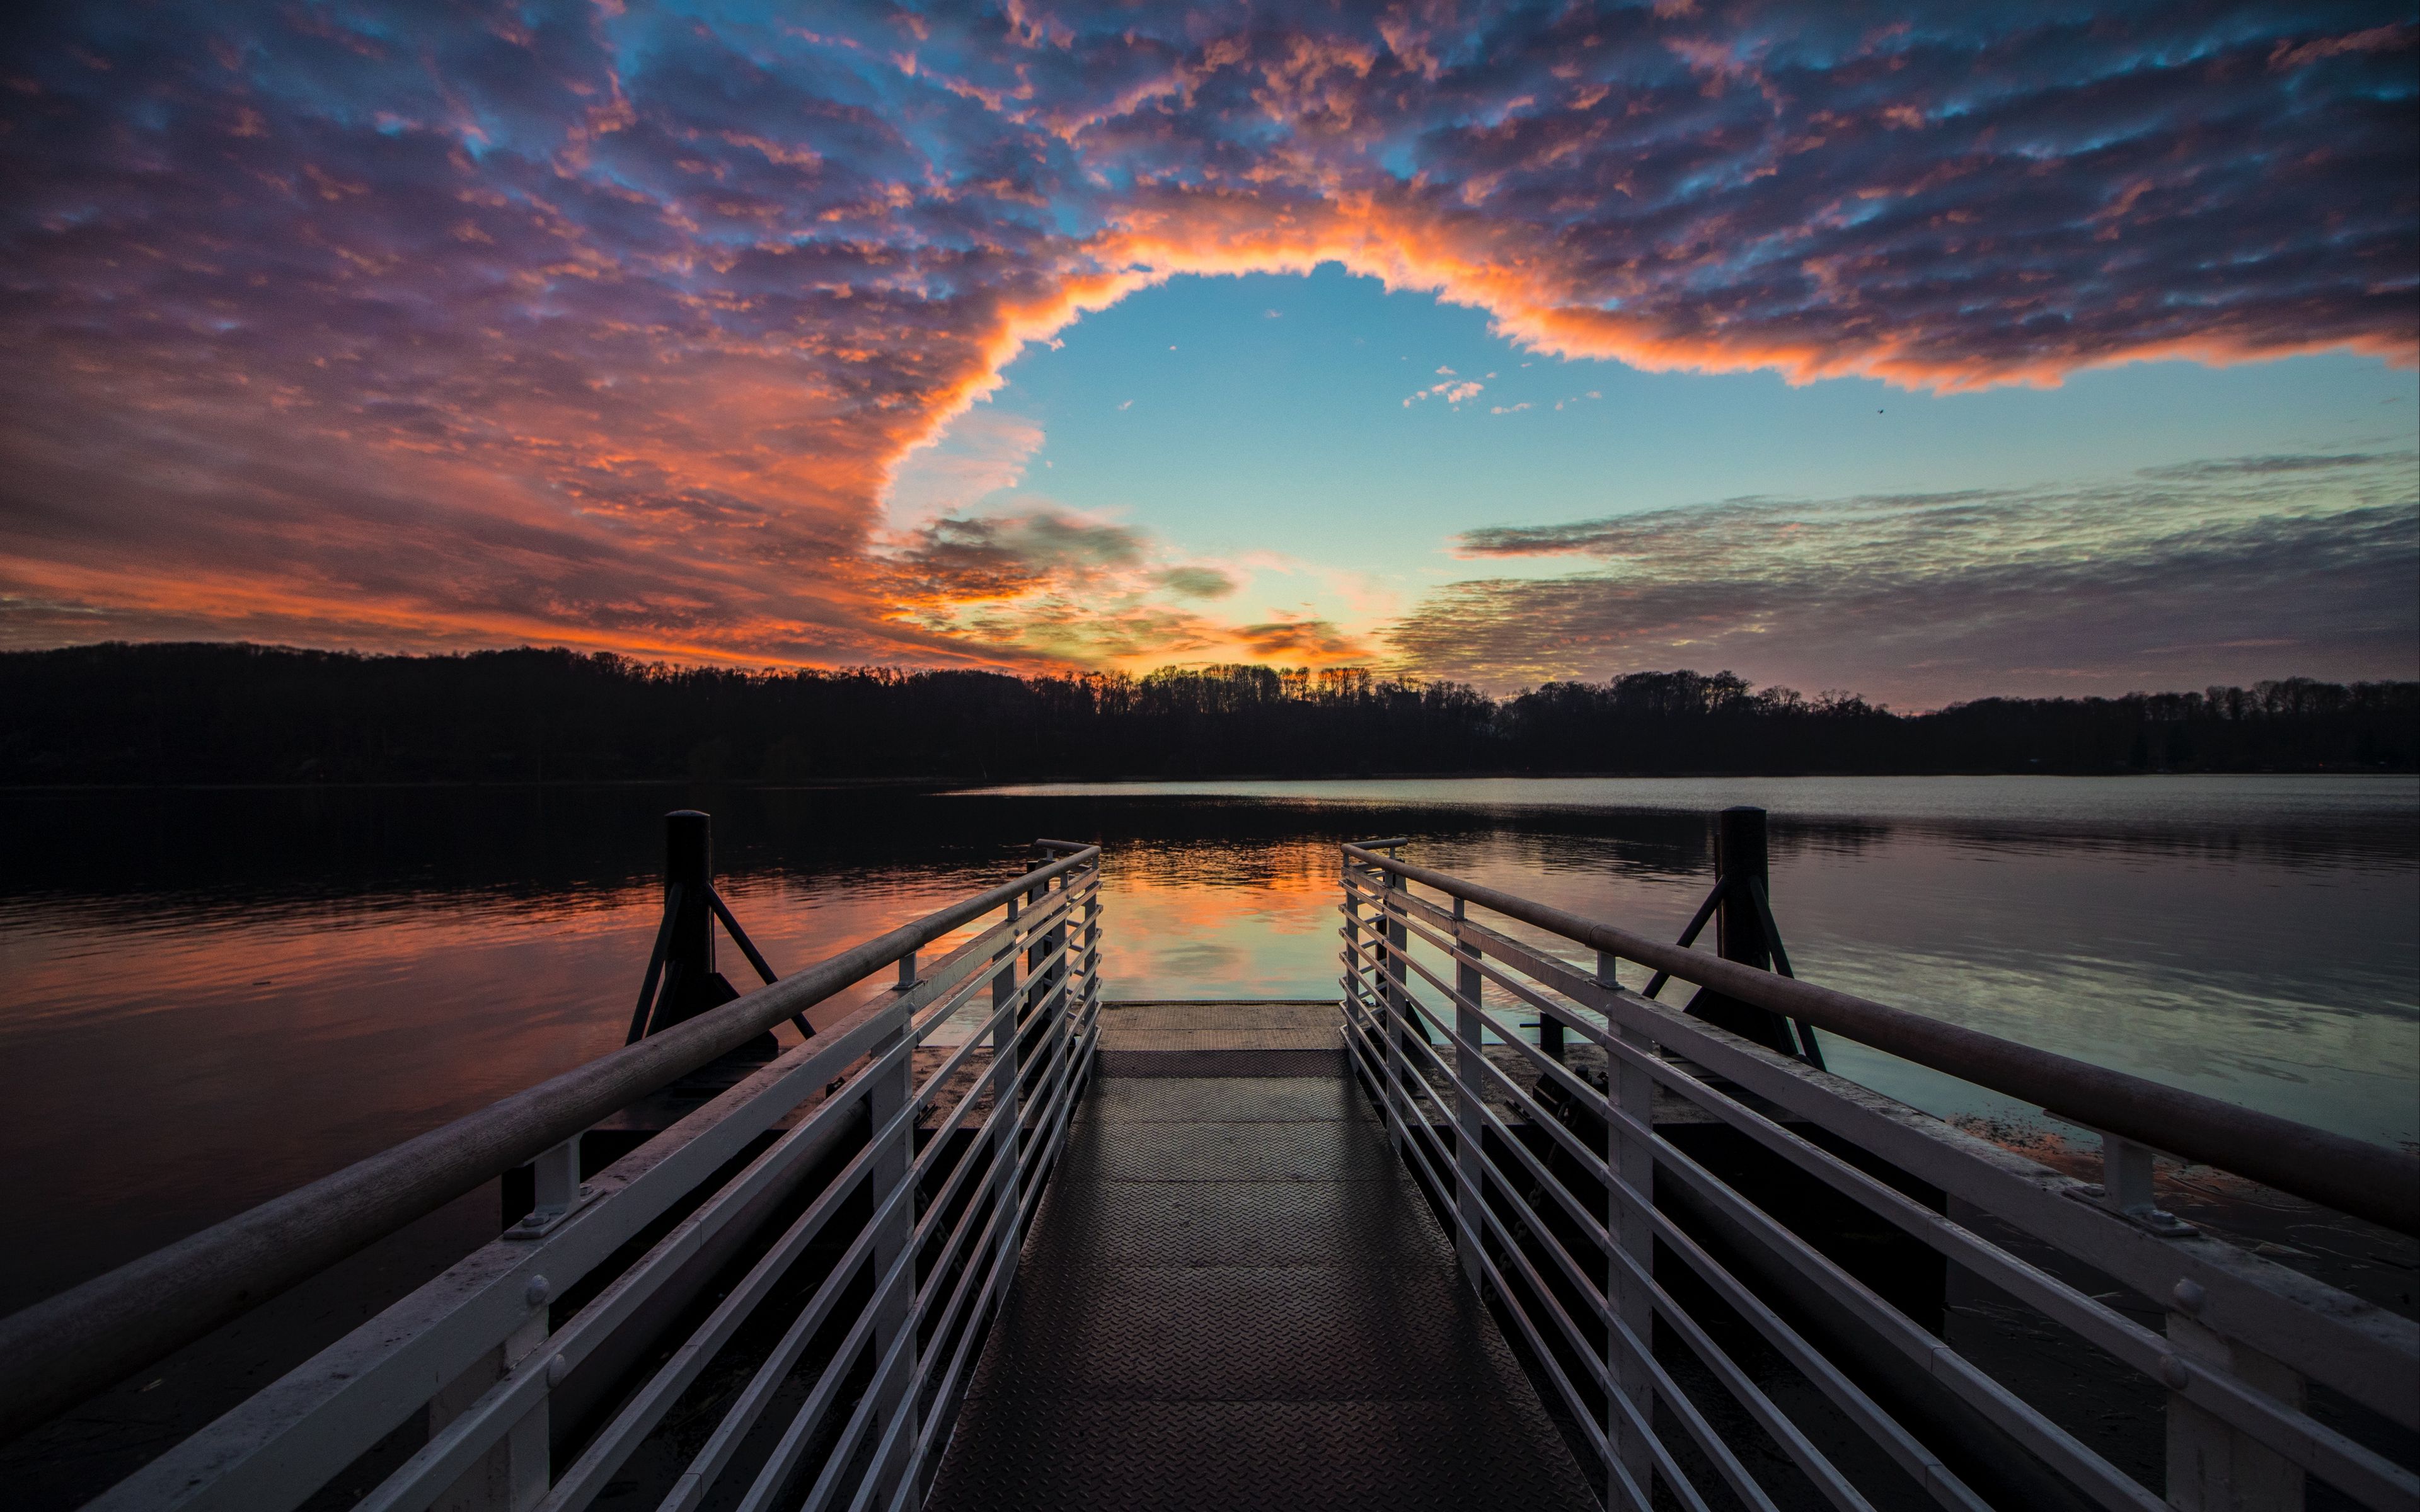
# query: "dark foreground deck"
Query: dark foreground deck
{"points": [[1234, 1298]]}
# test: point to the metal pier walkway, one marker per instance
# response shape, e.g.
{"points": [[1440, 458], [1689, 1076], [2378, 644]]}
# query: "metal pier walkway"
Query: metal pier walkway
{"points": [[927, 1223], [1234, 1298]]}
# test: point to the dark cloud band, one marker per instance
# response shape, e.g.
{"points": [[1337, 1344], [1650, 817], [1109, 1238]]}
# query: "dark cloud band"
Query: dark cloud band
{"points": [[2171, 578]]}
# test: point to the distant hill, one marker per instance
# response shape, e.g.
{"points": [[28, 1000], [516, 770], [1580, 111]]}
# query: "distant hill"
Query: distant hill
{"points": [[215, 713]]}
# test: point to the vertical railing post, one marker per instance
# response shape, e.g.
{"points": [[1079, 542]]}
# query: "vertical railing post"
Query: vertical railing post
{"points": [[887, 1093], [1055, 942], [1038, 971], [516, 1475], [527, 1474], [1037, 951], [1740, 868], [1009, 1156], [1471, 1044], [1355, 968], [1397, 1012], [2213, 1466], [1632, 1161], [1550, 1034], [1052, 989], [1033, 999], [1358, 985], [1365, 998], [1092, 934]]}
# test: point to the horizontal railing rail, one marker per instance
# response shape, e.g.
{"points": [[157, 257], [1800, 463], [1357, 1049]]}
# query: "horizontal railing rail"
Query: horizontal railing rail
{"points": [[480, 1348], [1577, 1205], [2367, 1181]]}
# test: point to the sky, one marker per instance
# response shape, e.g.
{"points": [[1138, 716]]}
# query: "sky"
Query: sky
{"points": [[1927, 352]]}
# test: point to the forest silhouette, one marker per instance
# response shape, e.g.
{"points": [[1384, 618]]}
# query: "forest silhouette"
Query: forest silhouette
{"points": [[119, 713]]}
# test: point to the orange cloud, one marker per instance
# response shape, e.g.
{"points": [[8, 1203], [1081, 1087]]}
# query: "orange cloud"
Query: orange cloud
{"points": [[599, 329]]}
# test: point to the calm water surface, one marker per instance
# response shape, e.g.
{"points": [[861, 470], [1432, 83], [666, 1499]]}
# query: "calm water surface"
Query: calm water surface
{"points": [[214, 995]]}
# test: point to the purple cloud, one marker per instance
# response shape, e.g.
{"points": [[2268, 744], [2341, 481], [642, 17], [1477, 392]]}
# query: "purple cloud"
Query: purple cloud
{"points": [[398, 326]]}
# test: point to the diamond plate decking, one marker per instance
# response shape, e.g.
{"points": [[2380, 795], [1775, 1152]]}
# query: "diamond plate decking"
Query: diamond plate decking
{"points": [[1233, 1298], [1208, 1025]]}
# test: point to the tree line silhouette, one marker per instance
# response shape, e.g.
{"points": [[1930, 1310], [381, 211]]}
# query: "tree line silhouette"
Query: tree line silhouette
{"points": [[122, 713]]}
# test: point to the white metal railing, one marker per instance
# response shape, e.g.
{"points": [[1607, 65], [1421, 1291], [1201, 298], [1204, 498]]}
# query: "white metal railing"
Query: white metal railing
{"points": [[1565, 1221], [484, 1348]]}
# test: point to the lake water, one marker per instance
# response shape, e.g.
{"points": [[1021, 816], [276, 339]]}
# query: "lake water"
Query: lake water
{"points": [[214, 995]]}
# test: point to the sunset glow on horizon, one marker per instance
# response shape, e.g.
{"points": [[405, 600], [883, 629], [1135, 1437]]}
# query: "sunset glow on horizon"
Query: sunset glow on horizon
{"points": [[1932, 354]]}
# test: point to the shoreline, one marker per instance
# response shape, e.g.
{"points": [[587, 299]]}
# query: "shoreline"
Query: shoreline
{"points": [[942, 786]]}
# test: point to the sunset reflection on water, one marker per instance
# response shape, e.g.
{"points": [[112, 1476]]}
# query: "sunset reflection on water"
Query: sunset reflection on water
{"points": [[215, 996]]}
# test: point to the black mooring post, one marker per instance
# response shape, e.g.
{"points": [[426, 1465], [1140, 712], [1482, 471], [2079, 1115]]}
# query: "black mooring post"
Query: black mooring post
{"points": [[1739, 930], [692, 985], [1740, 859], [689, 864]]}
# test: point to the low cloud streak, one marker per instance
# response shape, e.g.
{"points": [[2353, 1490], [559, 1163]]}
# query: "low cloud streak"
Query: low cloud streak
{"points": [[2214, 571]]}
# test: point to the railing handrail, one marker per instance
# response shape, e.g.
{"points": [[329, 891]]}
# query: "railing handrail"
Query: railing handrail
{"points": [[2366, 1181], [64, 1348]]}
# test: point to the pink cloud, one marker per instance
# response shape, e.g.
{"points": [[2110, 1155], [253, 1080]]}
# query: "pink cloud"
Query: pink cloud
{"points": [[380, 327]]}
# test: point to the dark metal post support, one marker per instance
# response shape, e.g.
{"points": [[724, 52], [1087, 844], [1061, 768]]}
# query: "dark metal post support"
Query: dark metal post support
{"points": [[689, 864], [1740, 860], [691, 983], [1738, 928]]}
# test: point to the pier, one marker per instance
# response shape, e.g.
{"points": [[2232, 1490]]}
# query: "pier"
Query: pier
{"points": [[1509, 1221], [1234, 1297]]}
